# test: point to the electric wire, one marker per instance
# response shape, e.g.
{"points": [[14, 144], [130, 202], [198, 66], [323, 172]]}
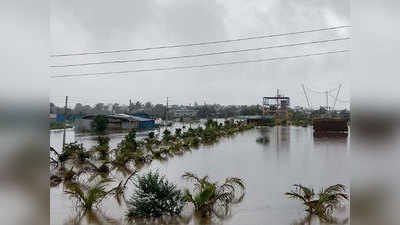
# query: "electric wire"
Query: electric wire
{"points": [[199, 66], [199, 43]]}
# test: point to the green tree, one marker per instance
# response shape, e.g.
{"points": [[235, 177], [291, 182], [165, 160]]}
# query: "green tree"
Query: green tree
{"points": [[99, 124]]}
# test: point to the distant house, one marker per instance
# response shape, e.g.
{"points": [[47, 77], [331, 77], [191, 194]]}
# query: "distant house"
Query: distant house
{"points": [[256, 119], [145, 120], [60, 118], [116, 122], [185, 113], [144, 123], [142, 115]]}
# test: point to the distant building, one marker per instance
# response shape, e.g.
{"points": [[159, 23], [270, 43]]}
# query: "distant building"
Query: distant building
{"points": [[144, 123], [142, 115], [256, 119], [185, 113], [60, 118], [145, 120], [116, 122]]}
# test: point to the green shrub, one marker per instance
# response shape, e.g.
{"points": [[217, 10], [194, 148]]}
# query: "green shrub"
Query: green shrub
{"points": [[99, 124], [154, 197]]}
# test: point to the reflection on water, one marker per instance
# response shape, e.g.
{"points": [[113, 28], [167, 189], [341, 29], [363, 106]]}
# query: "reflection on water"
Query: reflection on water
{"points": [[291, 156], [312, 219], [91, 217]]}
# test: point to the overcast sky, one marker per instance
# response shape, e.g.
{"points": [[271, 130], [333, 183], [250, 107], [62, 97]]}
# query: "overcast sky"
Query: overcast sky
{"points": [[93, 25]]}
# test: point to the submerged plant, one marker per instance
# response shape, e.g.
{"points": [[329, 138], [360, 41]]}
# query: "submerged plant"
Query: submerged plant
{"points": [[103, 170], [263, 140], [70, 175], [209, 197], [128, 144], [154, 197], [103, 147], [322, 204], [89, 197], [126, 150], [166, 132], [54, 159], [178, 132], [119, 191], [74, 151], [151, 135]]}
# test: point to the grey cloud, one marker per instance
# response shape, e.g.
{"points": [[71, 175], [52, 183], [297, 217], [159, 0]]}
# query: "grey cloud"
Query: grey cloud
{"points": [[129, 24]]}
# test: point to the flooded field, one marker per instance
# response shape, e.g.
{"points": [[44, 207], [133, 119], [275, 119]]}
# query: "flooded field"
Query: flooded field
{"points": [[292, 156]]}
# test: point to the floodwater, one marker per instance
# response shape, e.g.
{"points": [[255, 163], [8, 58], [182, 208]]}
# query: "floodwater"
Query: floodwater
{"points": [[293, 156]]}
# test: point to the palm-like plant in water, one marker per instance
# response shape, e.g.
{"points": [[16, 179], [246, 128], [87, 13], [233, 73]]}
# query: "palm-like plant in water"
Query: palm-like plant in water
{"points": [[128, 144], [119, 191], [89, 197], [322, 204], [103, 147], [166, 135], [72, 151], [209, 197], [178, 132]]}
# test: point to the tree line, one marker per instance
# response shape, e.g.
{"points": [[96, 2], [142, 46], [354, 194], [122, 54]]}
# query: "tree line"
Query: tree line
{"points": [[200, 111], [160, 110]]}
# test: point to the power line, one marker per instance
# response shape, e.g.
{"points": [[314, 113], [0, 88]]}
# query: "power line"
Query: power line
{"points": [[199, 66], [203, 54], [339, 100], [198, 43], [322, 92]]}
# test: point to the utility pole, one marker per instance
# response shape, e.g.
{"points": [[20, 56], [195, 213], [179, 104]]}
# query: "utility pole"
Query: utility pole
{"points": [[130, 106], [278, 104], [166, 111], [65, 119], [327, 105], [337, 94]]}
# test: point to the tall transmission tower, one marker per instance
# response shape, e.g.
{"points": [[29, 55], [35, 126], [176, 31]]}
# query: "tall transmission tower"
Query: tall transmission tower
{"points": [[305, 94], [337, 94], [277, 105]]}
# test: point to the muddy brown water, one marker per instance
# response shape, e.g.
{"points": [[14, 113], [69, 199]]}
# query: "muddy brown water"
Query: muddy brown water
{"points": [[292, 156]]}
